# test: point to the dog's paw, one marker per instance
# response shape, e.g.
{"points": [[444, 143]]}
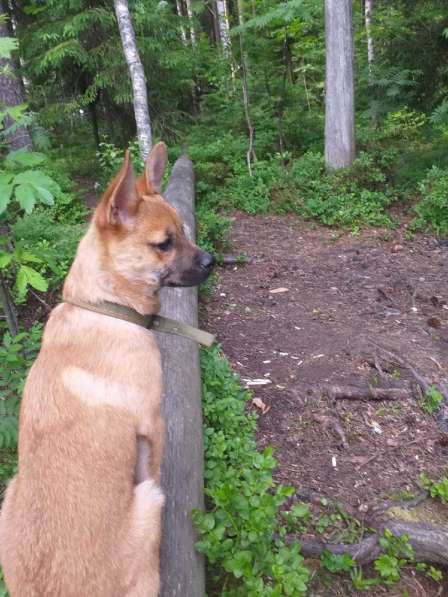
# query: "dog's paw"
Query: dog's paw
{"points": [[152, 491]]}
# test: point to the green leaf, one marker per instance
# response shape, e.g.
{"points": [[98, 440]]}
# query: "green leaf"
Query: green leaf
{"points": [[21, 282], [28, 275], [337, 562], [26, 256], [301, 510], [26, 197], [5, 178], [5, 195], [388, 567], [5, 259], [17, 112], [45, 195], [7, 45], [37, 178], [24, 157]]}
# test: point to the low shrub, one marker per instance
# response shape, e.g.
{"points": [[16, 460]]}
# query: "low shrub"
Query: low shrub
{"points": [[351, 197], [53, 242], [432, 209], [240, 533], [16, 357]]}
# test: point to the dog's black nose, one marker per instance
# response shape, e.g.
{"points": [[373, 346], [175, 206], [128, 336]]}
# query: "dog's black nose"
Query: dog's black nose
{"points": [[206, 260]]}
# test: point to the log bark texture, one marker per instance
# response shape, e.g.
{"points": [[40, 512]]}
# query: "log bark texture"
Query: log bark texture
{"points": [[137, 76], [11, 93], [182, 568], [339, 86]]}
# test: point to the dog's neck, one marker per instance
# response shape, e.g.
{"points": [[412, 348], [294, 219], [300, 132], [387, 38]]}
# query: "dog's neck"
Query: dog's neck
{"points": [[89, 282]]}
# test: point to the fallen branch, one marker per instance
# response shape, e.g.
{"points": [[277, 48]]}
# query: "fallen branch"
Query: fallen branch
{"points": [[235, 259], [369, 393]]}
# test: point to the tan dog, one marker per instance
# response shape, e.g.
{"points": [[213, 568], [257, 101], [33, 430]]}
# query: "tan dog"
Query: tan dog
{"points": [[82, 516]]}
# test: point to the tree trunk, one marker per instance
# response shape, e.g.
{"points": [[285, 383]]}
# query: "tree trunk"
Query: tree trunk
{"points": [[215, 22], [368, 12], [223, 24], [11, 93], [182, 568], [182, 29], [339, 86], [190, 18], [137, 75], [250, 156]]}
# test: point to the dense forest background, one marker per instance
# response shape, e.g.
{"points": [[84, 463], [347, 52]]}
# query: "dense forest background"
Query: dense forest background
{"points": [[242, 82], [239, 84]]}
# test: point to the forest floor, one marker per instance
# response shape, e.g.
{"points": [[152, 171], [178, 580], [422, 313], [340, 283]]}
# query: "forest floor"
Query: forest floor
{"points": [[307, 321]]}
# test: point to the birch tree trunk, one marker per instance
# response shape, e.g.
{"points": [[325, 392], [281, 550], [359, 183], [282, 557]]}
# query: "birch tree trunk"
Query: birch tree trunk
{"points": [[250, 156], [190, 18], [339, 86], [368, 12], [182, 29], [137, 76], [223, 24], [11, 93]]}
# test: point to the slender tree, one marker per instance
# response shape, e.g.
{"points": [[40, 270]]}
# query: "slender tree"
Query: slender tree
{"points": [[368, 13], [190, 18], [223, 25], [339, 86], [182, 28], [11, 91], [250, 156], [137, 76]]}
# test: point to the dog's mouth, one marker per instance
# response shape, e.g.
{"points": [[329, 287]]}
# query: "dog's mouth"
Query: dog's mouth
{"points": [[193, 276]]}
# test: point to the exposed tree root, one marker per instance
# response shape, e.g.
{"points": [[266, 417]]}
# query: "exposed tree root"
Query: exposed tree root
{"points": [[424, 520], [423, 384], [363, 552]]}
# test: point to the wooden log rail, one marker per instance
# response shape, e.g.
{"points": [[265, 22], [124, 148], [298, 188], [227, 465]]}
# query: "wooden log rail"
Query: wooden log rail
{"points": [[182, 568]]}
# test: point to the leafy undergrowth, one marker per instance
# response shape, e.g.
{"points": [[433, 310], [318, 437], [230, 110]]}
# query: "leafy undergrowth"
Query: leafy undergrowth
{"points": [[241, 534], [16, 357], [247, 533]]}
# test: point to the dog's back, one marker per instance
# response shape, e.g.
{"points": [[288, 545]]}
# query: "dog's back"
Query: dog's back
{"points": [[82, 517], [80, 502]]}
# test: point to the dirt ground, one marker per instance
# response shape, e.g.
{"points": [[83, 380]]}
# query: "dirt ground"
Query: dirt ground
{"points": [[312, 310]]}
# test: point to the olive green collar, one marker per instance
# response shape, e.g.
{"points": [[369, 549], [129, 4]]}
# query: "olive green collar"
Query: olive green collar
{"points": [[155, 322]]}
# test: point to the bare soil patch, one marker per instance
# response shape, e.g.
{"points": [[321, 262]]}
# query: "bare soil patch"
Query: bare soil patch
{"points": [[306, 314]]}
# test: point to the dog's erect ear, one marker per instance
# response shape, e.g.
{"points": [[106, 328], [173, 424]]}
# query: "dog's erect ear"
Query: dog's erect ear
{"points": [[151, 181], [120, 201]]}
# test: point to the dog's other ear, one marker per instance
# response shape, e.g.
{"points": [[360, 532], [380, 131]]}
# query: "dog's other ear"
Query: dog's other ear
{"points": [[119, 203], [151, 181]]}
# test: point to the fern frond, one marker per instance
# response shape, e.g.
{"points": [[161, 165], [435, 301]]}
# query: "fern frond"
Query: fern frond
{"points": [[283, 12], [9, 410]]}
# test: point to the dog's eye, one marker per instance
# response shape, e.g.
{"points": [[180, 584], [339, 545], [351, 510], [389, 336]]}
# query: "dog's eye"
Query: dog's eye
{"points": [[165, 246]]}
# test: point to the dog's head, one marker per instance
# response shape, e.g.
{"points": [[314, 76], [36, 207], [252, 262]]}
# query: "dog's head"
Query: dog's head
{"points": [[142, 237]]}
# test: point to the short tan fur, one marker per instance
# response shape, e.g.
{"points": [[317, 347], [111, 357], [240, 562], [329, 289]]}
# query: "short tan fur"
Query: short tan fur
{"points": [[82, 517]]}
